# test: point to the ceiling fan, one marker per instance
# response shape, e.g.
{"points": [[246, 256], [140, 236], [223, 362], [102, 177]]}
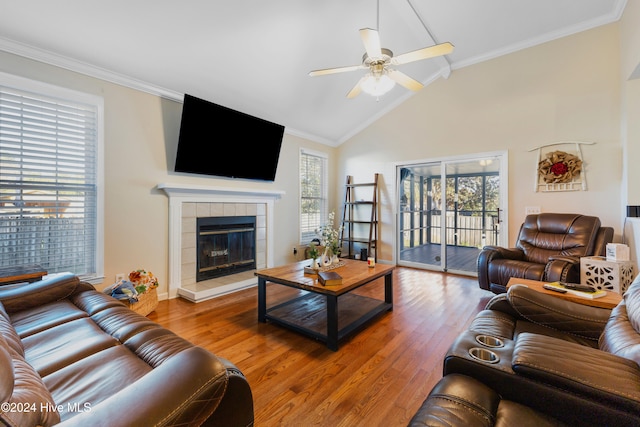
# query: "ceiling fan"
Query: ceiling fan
{"points": [[378, 60]]}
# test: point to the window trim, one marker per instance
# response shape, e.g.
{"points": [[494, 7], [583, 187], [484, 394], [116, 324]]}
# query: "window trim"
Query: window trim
{"points": [[50, 90], [325, 189]]}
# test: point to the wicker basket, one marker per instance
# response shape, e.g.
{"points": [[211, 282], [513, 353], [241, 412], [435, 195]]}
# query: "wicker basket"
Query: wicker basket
{"points": [[147, 302]]}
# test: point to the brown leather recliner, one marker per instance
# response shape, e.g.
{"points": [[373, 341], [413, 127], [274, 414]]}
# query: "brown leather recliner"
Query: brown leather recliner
{"points": [[548, 248]]}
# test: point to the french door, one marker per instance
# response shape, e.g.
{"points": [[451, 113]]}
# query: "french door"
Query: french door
{"points": [[448, 209]]}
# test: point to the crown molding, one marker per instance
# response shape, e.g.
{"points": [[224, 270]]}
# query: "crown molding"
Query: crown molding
{"points": [[74, 65], [615, 15]]}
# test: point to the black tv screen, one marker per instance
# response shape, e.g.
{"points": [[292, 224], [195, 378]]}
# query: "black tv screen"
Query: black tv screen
{"points": [[219, 141]]}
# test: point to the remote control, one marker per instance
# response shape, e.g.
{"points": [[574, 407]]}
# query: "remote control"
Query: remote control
{"points": [[578, 287], [554, 289]]}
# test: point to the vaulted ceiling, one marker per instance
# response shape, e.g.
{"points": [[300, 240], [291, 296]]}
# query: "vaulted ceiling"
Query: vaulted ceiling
{"points": [[254, 56]]}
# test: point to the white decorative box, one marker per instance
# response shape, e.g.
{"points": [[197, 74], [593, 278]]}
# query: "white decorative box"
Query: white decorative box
{"points": [[617, 252], [605, 275]]}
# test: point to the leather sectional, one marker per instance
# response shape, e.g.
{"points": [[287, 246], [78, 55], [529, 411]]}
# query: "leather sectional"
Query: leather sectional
{"points": [[565, 362], [70, 355]]}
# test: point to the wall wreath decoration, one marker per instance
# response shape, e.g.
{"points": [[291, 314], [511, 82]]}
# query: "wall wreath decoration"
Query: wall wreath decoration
{"points": [[559, 167], [559, 170]]}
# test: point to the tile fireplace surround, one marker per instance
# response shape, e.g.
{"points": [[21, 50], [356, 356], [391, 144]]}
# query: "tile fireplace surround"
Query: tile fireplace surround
{"points": [[189, 202]]}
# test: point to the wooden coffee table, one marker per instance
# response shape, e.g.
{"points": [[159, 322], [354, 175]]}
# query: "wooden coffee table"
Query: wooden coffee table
{"points": [[326, 313], [608, 301]]}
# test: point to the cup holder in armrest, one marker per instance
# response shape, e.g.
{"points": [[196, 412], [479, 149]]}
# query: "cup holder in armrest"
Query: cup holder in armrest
{"points": [[484, 355], [489, 341]]}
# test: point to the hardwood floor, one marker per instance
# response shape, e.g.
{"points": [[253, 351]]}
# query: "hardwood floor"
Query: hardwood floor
{"points": [[379, 376]]}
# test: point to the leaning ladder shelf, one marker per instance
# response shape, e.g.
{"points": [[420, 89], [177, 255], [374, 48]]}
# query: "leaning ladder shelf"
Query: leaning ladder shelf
{"points": [[360, 218]]}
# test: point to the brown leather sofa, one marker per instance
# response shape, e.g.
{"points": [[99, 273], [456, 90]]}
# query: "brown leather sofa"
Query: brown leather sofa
{"points": [[572, 362], [548, 248], [73, 356]]}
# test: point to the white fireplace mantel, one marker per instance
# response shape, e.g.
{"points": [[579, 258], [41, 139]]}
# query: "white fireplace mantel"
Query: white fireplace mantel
{"points": [[188, 193], [194, 191]]}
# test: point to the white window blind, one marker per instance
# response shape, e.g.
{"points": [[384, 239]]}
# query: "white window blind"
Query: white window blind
{"points": [[313, 194], [48, 182]]}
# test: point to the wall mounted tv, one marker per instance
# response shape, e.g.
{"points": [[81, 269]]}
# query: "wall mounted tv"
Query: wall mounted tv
{"points": [[219, 141]]}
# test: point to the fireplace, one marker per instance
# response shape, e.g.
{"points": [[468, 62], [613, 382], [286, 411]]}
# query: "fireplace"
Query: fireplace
{"points": [[226, 245], [189, 202]]}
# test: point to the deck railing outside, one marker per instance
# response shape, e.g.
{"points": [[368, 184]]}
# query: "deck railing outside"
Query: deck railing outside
{"points": [[461, 229]]}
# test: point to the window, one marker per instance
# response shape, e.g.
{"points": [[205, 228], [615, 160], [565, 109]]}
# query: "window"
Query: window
{"points": [[313, 194], [50, 207]]}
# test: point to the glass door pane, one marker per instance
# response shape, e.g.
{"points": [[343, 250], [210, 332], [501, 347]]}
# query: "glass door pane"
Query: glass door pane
{"points": [[472, 211], [419, 216], [448, 235]]}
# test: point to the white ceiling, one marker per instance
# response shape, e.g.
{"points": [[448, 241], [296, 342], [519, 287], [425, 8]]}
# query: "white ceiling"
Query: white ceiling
{"points": [[254, 55]]}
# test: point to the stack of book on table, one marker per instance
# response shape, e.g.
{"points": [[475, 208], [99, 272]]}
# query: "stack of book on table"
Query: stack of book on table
{"points": [[329, 278], [583, 291]]}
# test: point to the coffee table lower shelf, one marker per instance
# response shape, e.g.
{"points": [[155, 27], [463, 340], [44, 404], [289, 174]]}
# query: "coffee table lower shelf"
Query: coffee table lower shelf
{"points": [[308, 314]]}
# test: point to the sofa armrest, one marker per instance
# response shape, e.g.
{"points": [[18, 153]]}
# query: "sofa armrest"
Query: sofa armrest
{"points": [[579, 370], [501, 303], [488, 254], [561, 268], [574, 260], [557, 313], [53, 288], [508, 253], [185, 390]]}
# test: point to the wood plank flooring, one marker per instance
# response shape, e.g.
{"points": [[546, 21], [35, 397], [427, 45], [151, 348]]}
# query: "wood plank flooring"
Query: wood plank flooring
{"points": [[379, 376]]}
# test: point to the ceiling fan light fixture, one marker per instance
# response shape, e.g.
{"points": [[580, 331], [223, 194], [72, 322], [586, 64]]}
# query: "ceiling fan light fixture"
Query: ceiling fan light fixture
{"points": [[377, 85], [377, 59]]}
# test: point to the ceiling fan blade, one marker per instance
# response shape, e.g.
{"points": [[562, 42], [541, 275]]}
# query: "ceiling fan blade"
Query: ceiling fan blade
{"points": [[424, 53], [371, 41], [404, 80], [335, 70], [356, 89]]}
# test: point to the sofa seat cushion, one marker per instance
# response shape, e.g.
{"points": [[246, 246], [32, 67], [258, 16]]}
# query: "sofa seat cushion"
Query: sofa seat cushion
{"points": [[64, 344], [34, 320], [589, 372], [93, 379]]}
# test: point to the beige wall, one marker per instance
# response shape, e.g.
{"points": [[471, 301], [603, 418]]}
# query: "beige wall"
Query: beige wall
{"points": [[557, 91], [141, 132], [630, 60]]}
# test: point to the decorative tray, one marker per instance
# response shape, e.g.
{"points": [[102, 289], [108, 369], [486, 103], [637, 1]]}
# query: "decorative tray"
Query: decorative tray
{"points": [[311, 270]]}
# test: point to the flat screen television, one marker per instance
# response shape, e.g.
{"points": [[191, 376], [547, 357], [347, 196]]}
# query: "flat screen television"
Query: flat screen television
{"points": [[216, 140]]}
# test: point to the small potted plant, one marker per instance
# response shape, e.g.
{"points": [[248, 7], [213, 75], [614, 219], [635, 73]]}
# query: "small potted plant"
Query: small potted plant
{"points": [[313, 254]]}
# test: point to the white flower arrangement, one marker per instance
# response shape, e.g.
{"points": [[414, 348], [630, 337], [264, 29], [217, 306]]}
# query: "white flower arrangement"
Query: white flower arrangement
{"points": [[330, 236]]}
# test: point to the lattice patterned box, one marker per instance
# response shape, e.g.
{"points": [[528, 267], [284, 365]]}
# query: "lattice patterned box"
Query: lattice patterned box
{"points": [[606, 275]]}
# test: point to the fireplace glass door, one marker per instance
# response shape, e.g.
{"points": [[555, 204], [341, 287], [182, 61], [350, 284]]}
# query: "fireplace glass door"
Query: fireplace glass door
{"points": [[226, 245]]}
